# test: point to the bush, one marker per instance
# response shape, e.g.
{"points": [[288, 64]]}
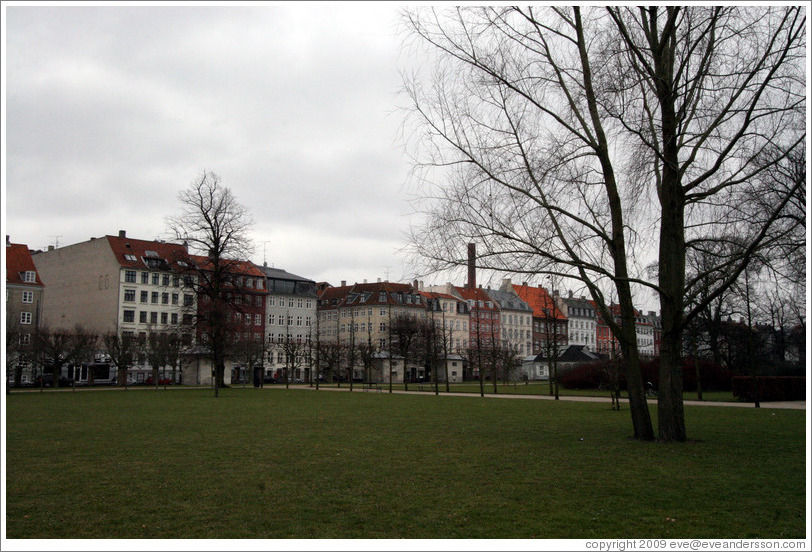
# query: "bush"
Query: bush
{"points": [[713, 376], [596, 374], [770, 388], [589, 376]]}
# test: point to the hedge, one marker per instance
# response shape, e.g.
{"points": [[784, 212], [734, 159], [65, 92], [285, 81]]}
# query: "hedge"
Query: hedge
{"points": [[596, 374], [770, 388]]}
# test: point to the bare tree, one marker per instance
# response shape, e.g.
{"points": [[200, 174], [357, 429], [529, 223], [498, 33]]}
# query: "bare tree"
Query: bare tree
{"points": [[54, 349], [122, 350], [565, 122], [514, 115], [212, 222], [251, 354], [405, 331]]}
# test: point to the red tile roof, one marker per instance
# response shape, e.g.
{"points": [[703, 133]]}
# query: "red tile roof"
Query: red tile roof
{"points": [[19, 261], [539, 299], [246, 268], [170, 252], [477, 294]]}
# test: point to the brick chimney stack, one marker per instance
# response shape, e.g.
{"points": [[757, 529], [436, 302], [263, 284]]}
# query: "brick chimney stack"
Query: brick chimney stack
{"points": [[472, 266]]}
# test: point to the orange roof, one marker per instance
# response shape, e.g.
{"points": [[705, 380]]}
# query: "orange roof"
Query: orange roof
{"points": [[18, 262], [539, 300]]}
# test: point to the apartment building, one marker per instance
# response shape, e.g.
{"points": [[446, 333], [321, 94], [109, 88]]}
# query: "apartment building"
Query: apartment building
{"points": [[644, 328], [516, 321], [24, 301], [117, 284], [549, 322], [581, 320], [363, 313], [290, 322]]}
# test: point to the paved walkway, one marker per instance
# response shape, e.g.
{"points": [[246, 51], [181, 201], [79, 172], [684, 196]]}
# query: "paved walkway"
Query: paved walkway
{"points": [[793, 405]]}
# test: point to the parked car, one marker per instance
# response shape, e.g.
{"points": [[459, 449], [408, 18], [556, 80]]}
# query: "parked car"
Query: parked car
{"points": [[47, 380], [130, 381], [268, 379], [161, 381]]}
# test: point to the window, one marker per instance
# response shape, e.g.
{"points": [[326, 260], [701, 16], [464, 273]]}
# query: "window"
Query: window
{"points": [[154, 297], [30, 276], [299, 303], [188, 300], [129, 296], [258, 301], [187, 281], [165, 280], [129, 276], [270, 320], [238, 317], [271, 300], [25, 318], [153, 317], [129, 316], [188, 319], [142, 317], [281, 320], [257, 320], [164, 318], [174, 318], [25, 339], [164, 298], [298, 320], [130, 257], [175, 280], [28, 296], [156, 278], [175, 298], [145, 277]]}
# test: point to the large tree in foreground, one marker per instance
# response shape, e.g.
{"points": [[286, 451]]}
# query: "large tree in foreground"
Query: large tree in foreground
{"points": [[570, 141], [216, 226]]}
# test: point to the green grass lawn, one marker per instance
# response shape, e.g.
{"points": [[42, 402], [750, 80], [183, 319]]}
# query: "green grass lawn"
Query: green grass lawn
{"points": [[306, 464]]}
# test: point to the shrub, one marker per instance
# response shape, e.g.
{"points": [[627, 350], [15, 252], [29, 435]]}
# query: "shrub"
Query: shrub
{"points": [[596, 374], [770, 388], [589, 376]]}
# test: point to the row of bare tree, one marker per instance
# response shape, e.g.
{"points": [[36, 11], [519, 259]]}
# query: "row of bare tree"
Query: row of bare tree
{"points": [[48, 351], [610, 146]]}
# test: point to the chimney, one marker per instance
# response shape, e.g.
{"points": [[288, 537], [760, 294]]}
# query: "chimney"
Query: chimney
{"points": [[8, 241], [50, 248], [555, 293], [186, 247], [379, 280], [122, 233], [472, 266], [524, 284], [343, 283], [415, 286], [570, 294]]}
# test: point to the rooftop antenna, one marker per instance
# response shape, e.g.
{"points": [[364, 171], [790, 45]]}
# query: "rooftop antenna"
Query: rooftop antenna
{"points": [[264, 259], [387, 271], [56, 242]]}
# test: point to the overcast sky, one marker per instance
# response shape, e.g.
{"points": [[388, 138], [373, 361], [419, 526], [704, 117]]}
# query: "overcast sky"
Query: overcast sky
{"points": [[111, 110]]}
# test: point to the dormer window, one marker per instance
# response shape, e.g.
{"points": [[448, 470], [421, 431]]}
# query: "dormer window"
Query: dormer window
{"points": [[30, 276]]}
